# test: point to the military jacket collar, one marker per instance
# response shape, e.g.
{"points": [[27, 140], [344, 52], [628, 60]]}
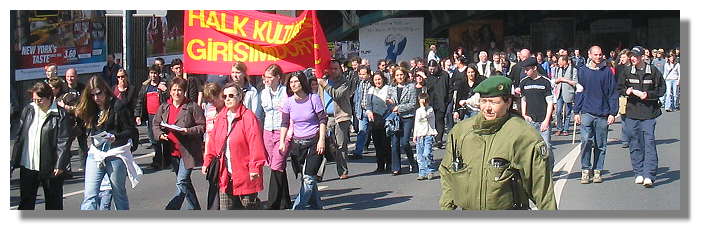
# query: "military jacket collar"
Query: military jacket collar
{"points": [[486, 127]]}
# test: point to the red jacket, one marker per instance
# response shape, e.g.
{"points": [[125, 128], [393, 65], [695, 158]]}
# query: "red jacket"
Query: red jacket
{"points": [[247, 153]]}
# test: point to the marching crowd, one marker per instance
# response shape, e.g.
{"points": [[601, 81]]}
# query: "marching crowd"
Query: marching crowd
{"points": [[235, 125]]}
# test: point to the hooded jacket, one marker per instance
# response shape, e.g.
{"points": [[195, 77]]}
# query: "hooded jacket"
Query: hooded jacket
{"points": [[599, 91]]}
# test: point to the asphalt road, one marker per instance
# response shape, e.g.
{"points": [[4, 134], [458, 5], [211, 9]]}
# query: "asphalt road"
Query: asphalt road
{"points": [[366, 190]]}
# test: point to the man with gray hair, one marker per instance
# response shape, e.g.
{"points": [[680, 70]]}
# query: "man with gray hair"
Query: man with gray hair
{"points": [[483, 67]]}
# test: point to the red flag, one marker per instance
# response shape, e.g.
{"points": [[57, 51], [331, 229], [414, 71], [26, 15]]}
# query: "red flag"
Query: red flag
{"points": [[322, 54], [214, 40]]}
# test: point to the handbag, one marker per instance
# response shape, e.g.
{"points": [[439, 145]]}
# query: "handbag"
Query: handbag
{"points": [[213, 172]]}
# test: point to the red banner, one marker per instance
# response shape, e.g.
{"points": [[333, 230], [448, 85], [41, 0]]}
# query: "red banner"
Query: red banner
{"points": [[214, 40]]}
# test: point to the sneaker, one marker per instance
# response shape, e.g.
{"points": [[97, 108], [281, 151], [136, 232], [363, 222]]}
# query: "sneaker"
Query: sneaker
{"points": [[585, 177], [419, 178], [431, 176], [639, 180], [597, 177], [558, 133], [648, 183], [343, 176]]}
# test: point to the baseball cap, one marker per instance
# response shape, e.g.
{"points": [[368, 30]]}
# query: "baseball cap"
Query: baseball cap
{"points": [[638, 51]]}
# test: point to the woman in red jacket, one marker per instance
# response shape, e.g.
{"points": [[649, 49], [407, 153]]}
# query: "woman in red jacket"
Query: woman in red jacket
{"points": [[236, 136]]}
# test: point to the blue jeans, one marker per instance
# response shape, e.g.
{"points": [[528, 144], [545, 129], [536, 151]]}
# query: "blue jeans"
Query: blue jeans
{"points": [[400, 141], [361, 136], [105, 194], [184, 189], [308, 198], [117, 173], [424, 154], [671, 95], [156, 145], [563, 122], [593, 141], [642, 146], [546, 135]]}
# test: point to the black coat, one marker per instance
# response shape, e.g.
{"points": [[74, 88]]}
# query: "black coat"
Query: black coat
{"points": [[120, 123], [439, 91], [55, 152], [129, 97]]}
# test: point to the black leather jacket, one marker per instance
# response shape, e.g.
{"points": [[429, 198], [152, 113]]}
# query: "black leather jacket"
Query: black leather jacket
{"points": [[55, 152]]}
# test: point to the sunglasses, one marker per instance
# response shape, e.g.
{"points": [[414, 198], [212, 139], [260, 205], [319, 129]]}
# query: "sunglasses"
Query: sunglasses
{"points": [[231, 96], [123, 76]]}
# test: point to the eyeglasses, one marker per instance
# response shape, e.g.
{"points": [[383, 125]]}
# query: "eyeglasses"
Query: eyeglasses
{"points": [[231, 96]]}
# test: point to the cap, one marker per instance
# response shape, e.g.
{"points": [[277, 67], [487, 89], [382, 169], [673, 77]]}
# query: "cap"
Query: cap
{"points": [[494, 86], [531, 61], [638, 51]]}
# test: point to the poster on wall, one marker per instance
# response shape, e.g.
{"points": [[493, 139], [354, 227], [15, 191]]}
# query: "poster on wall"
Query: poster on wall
{"points": [[442, 47], [396, 39], [345, 50], [165, 37], [478, 35], [69, 39]]}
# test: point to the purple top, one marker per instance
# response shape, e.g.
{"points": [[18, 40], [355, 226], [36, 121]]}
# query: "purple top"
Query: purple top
{"points": [[303, 114]]}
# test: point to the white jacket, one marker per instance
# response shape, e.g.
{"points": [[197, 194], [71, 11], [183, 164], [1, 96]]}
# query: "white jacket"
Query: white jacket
{"points": [[134, 172], [425, 122], [672, 71]]}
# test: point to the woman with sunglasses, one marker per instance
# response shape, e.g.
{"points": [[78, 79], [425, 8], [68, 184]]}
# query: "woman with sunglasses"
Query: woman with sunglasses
{"points": [[123, 91], [112, 132], [179, 124], [304, 110], [41, 150], [236, 141]]}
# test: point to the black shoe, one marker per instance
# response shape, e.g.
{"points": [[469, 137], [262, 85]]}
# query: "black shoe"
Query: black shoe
{"points": [[669, 110], [355, 157], [395, 173], [625, 146]]}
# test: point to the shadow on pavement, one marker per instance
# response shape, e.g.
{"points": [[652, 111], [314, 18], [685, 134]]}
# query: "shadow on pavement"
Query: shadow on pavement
{"points": [[364, 201]]}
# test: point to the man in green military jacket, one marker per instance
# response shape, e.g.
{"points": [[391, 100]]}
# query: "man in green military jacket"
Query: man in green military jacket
{"points": [[495, 161]]}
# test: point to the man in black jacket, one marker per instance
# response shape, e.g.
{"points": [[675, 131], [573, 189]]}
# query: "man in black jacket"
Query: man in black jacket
{"points": [[644, 85], [438, 92], [69, 101], [151, 95]]}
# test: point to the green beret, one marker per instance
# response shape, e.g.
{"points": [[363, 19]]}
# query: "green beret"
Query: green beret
{"points": [[494, 86]]}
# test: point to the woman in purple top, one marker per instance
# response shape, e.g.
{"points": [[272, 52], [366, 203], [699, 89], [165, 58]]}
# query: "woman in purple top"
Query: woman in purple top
{"points": [[305, 112]]}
